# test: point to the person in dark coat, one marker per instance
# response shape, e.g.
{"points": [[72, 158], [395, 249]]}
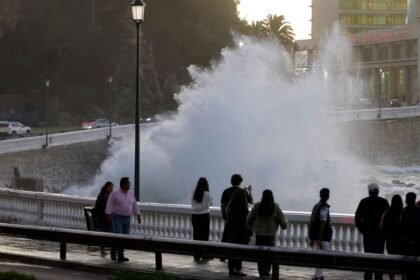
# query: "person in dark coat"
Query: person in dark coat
{"points": [[391, 227], [368, 218], [101, 220], [236, 230], [236, 181], [410, 228], [320, 230]]}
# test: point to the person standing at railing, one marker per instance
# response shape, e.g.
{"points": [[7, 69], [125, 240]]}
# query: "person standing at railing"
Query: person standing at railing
{"points": [[100, 205], [236, 181], [410, 227], [368, 217], [391, 227], [320, 230], [119, 208], [200, 204], [236, 230], [264, 220]]}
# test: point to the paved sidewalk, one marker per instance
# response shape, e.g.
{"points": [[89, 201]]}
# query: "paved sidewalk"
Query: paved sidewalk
{"points": [[145, 261]]}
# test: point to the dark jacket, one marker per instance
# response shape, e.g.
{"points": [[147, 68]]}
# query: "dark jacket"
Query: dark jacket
{"points": [[315, 223], [236, 230], [410, 224], [226, 197], [100, 205], [369, 213]]}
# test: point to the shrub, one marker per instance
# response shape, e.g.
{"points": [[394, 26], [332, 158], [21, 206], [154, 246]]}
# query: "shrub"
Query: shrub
{"points": [[13, 275]]}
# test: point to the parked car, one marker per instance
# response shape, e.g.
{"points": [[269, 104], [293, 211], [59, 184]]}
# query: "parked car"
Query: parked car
{"points": [[395, 102], [14, 129], [97, 123]]}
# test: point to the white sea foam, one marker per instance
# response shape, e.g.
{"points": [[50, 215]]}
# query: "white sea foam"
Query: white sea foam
{"points": [[246, 115]]}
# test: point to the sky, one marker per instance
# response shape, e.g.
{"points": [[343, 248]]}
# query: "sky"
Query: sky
{"points": [[297, 12]]}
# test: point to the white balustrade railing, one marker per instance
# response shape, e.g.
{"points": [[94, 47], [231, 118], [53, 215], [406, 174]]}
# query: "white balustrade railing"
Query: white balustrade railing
{"points": [[159, 220]]}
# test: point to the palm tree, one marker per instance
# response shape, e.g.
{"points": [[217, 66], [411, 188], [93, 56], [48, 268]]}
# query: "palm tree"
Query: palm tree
{"points": [[277, 27]]}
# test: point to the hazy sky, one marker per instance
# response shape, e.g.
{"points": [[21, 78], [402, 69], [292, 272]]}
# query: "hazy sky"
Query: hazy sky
{"points": [[297, 12]]}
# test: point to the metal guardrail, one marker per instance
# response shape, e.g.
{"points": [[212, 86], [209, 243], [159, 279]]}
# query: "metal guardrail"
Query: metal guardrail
{"points": [[377, 114], [65, 138], [72, 137], [275, 255]]}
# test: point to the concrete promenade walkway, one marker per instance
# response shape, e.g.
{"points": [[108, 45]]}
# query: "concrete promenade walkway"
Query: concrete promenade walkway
{"points": [[141, 261]]}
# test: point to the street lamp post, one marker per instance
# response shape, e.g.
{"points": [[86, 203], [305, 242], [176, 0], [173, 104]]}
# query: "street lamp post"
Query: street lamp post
{"points": [[137, 7], [380, 94], [47, 93], [110, 107]]}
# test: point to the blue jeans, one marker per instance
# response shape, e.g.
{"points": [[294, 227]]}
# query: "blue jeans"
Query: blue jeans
{"points": [[121, 225]]}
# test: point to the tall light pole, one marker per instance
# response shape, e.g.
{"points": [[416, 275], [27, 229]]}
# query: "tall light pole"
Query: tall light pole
{"points": [[137, 7], [110, 106], [380, 94], [47, 93]]}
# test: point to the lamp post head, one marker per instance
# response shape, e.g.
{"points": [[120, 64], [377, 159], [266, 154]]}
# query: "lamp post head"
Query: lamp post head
{"points": [[47, 83], [138, 7], [110, 79]]}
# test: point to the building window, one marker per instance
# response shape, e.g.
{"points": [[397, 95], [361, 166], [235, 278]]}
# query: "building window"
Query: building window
{"points": [[383, 53], [348, 5]]}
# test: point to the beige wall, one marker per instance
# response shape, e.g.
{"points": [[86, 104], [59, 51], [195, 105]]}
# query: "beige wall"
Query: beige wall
{"points": [[324, 15]]}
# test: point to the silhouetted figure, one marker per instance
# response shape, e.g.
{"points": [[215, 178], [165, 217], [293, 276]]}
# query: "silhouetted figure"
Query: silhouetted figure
{"points": [[265, 219], [391, 227], [410, 227], [320, 230], [120, 206], [200, 204], [236, 181], [368, 217], [102, 222], [236, 230]]}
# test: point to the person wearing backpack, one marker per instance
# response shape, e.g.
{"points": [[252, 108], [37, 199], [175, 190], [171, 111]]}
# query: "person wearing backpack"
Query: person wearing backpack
{"points": [[320, 230]]}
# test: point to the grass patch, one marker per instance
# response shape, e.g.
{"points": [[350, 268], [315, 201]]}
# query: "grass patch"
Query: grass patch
{"points": [[13, 275], [124, 275]]}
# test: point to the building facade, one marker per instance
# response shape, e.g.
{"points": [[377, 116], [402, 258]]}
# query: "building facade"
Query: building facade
{"points": [[389, 60], [386, 40]]}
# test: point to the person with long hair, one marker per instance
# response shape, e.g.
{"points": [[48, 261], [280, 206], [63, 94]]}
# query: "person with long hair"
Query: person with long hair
{"points": [[391, 228], [236, 230], [101, 220], [200, 204], [264, 220]]}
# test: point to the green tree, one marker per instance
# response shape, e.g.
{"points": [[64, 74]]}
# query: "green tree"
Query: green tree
{"points": [[275, 27], [78, 44]]}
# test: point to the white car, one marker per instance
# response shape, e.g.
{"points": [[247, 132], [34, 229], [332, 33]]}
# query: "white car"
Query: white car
{"points": [[14, 129]]}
